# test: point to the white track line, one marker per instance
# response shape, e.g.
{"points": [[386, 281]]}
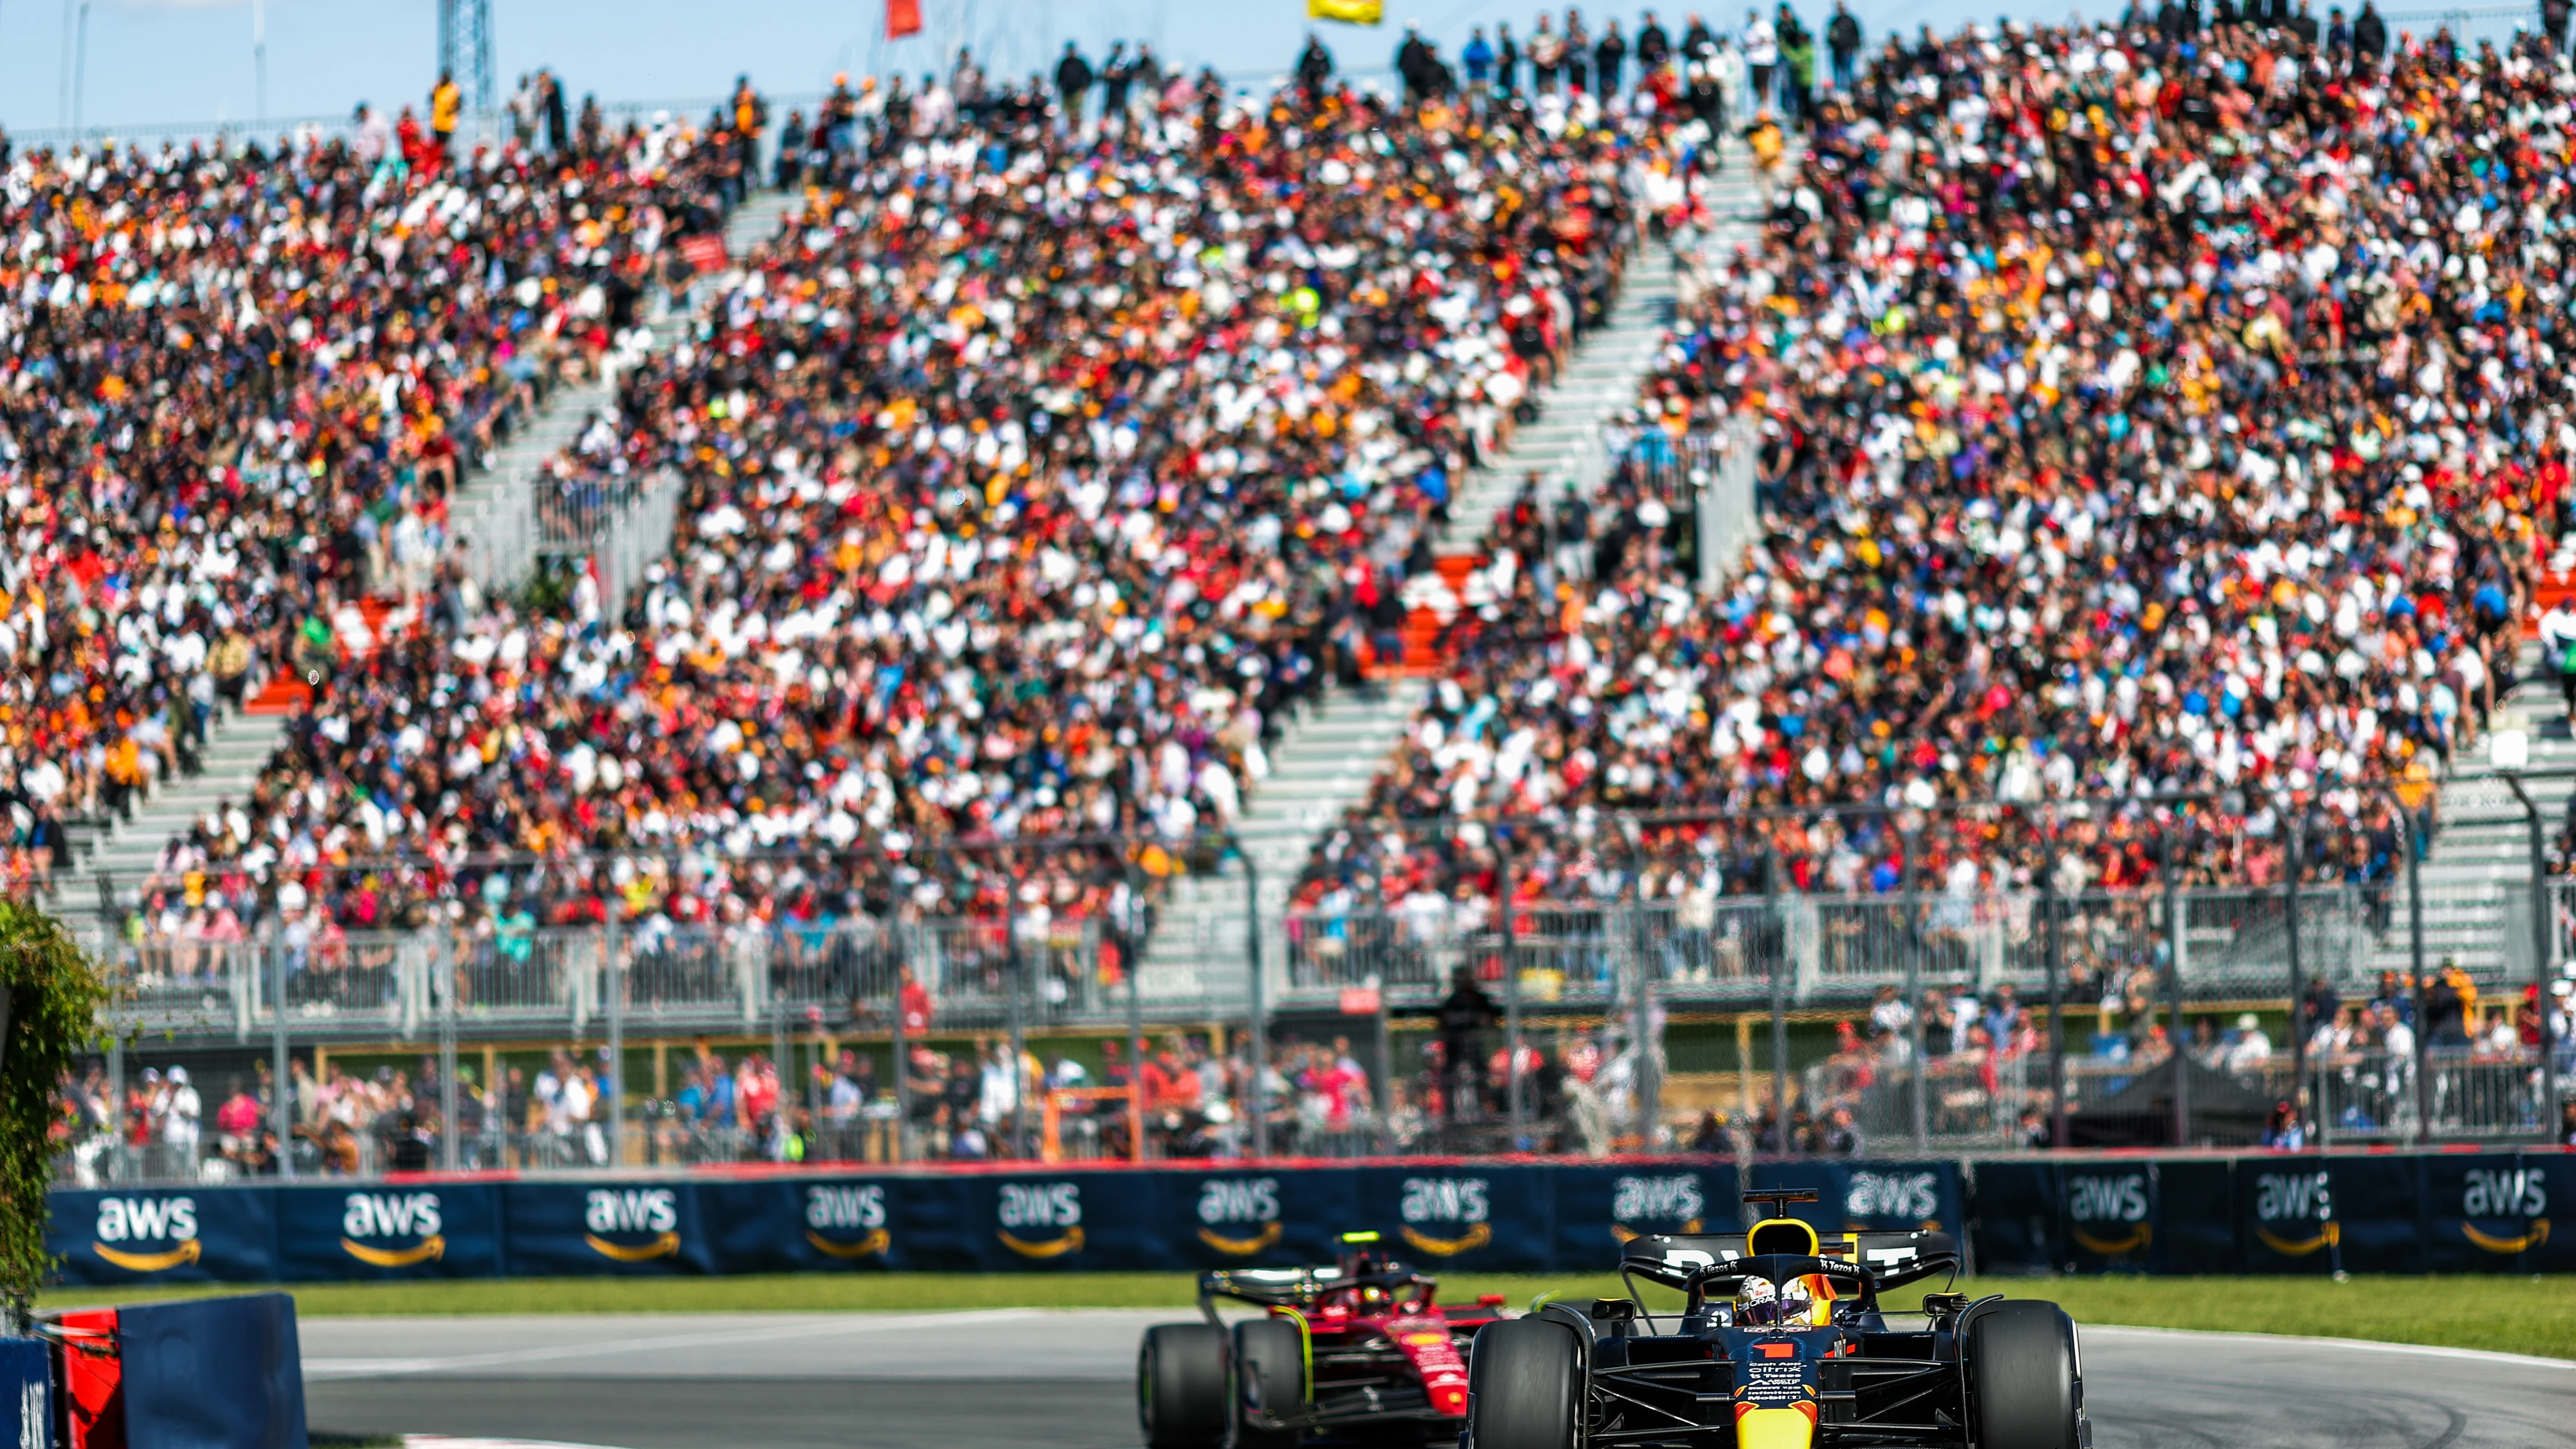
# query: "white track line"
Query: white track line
{"points": [[338, 1368], [441, 1441], [2479, 1355]]}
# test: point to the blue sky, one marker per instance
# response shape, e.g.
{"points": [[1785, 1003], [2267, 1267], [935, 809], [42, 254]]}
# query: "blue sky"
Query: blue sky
{"points": [[153, 61], [191, 60]]}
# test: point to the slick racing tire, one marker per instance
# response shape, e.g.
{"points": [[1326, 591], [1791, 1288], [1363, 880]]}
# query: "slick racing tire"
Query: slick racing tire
{"points": [[1524, 1386], [1180, 1386], [1269, 1378], [2021, 1373]]}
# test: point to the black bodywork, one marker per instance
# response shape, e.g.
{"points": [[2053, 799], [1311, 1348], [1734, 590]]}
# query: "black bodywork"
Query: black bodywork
{"points": [[1680, 1380]]}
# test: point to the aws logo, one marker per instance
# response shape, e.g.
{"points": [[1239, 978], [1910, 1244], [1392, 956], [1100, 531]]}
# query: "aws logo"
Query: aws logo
{"points": [[171, 1220], [1043, 1206], [2505, 1193], [1239, 1201], [654, 1210], [1441, 1201], [2110, 1202], [414, 1215], [2295, 1197], [1656, 1200], [35, 1415], [1913, 1196], [860, 1209]]}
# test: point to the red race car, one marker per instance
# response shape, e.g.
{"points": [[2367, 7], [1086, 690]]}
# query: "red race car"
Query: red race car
{"points": [[1360, 1350]]}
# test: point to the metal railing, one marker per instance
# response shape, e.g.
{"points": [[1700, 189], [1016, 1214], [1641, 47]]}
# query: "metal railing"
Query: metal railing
{"points": [[2234, 943]]}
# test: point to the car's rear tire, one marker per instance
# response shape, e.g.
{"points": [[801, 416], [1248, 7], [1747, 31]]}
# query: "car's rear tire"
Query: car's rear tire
{"points": [[1270, 1377], [1180, 1386], [2022, 1373], [1524, 1386]]}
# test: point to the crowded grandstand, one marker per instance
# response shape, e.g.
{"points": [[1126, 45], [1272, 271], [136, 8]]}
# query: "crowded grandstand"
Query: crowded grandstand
{"points": [[2159, 445]]}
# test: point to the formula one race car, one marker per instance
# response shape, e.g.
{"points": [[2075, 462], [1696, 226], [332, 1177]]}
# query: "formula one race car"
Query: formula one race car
{"points": [[1359, 1350], [1780, 1344]]}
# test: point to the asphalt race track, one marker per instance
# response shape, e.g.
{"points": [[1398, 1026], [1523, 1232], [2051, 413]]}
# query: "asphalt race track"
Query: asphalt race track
{"points": [[1029, 1379]]}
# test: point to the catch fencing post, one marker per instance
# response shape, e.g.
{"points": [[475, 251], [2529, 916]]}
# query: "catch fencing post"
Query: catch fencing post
{"points": [[615, 986], [443, 960], [1779, 998], [1511, 999], [2415, 957], [116, 1163], [1256, 1093], [2540, 962], [1649, 1040], [1385, 1075], [282, 1104], [1913, 943], [2295, 864], [781, 1053], [2181, 1036], [1134, 963], [902, 1055], [1014, 976], [2052, 961]]}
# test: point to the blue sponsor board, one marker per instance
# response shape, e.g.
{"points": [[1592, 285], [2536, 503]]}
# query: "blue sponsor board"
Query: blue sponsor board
{"points": [[2555, 1252], [1074, 1221], [2014, 1224], [2485, 1213], [386, 1231], [2106, 1215], [165, 1235], [615, 1228], [1466, 1215], [799, 1224], [2195, 1217], [2387, 1213], [1600, 1208], [2379, 1211], [1261, 1219], [2286, 1216]]}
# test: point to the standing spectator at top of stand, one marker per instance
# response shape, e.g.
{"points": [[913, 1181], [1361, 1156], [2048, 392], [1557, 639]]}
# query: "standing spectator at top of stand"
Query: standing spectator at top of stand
{"points": [[1314, 68], [1610, 61], [446, 101], [1073, 77], [1842, 37]]}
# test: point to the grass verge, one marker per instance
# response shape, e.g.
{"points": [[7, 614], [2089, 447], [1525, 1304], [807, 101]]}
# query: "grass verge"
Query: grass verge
{"points": [[2514, 1315]]}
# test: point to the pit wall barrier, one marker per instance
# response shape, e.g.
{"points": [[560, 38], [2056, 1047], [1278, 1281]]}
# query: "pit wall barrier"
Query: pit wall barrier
{"points": [[2378, 1213]]}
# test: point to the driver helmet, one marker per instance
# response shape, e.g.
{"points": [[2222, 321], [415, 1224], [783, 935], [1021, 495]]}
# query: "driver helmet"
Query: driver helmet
{"points": [[1797, 1304], [1757, 1302], [1361, 1256]]}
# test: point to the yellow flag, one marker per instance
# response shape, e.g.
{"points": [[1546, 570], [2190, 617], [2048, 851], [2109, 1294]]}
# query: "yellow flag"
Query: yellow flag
{"points": [[1349, 12]]}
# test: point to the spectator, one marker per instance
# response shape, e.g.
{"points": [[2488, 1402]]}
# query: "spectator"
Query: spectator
{"points": [[1842, 38], [1073, 77]]}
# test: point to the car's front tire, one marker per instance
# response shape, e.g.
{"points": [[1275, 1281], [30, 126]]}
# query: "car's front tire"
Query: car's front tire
{"points": [[2022, 1372], [1180, 1386], [1269, 1378], [1524, 1386]]}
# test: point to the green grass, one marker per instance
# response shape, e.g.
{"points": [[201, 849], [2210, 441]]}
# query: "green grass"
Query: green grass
{"points": [[2515, 1315]]}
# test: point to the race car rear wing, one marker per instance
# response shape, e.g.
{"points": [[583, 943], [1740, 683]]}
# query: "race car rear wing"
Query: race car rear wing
{"points": [[1300, 1287], [1891, 1259]]}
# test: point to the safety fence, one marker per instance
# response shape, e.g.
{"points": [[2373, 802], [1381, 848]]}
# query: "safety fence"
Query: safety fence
{"points": [[1901, 1022], [2377, 1212], [1690, 951]]}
